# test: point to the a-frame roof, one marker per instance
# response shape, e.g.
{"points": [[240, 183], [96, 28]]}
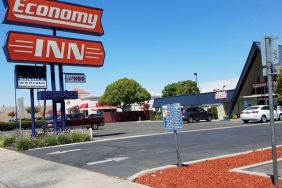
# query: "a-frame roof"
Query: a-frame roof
{"points": [[254, 52]]}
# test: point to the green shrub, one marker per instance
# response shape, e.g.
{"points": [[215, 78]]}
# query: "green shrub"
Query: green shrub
{"points": [[50, 141], [9, 141], [158, 116], [64, 139], [7, 126], [214, 112], [79, 137], [24, 143], [1, 141], [234, 116], [39, 143]]}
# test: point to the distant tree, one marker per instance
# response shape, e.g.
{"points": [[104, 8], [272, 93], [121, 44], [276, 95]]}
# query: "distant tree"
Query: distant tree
{"points": [[278, 85], [74, 110], [124, 92], [180, 88], [12, 114], [36, 109]]}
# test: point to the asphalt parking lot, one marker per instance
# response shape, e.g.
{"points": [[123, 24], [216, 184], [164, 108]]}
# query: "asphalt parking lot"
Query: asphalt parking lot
{"points": [[124, 149], [128, 129]]}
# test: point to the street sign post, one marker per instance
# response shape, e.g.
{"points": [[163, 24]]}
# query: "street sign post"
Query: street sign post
{"points": [[269, 57], [172, 118], [20, 109]]}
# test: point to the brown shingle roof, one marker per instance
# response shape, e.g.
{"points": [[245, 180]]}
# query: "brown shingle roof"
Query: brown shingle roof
{"points": [[81, 91]]}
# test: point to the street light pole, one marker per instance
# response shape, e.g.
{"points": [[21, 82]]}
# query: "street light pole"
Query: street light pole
{"points": [[198, 100]]}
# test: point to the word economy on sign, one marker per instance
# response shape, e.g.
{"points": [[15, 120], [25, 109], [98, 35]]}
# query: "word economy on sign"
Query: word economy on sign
{"points": [[48, 14], [30, 48]]}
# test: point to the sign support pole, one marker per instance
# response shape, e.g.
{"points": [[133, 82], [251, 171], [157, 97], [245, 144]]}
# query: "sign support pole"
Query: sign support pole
{"points": [[177, 148], [63, 107], [268, 45], [32, 113], [54, 103]]}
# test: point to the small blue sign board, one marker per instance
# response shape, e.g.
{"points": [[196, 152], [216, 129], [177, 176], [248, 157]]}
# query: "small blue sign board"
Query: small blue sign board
{"points": [[56, 95], [172, 116]]}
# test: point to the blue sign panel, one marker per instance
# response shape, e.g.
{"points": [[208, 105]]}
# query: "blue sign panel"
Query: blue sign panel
{"points": [[56, 95], [172, 116]]}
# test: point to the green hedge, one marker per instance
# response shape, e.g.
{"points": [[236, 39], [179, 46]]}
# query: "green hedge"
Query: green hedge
{"points": [[7, 126], [25, 143]]}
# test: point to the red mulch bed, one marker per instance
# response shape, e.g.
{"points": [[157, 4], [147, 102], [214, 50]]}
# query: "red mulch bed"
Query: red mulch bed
{"points": [[213, 173]]}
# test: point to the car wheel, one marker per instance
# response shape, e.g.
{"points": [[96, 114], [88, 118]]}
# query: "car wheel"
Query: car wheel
{"points": [[245, 121], [280, 117], [209, 118], [94, 126], [190, 119], [263, 119]]}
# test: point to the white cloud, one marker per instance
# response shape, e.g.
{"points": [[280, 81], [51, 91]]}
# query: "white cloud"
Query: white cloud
{"points": [[218, 84]]}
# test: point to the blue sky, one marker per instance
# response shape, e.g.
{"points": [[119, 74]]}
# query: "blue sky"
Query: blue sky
{"points": [[157, 42]]}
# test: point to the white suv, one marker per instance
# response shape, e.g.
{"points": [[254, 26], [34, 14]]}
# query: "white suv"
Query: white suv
{"points": [[259, 113]]}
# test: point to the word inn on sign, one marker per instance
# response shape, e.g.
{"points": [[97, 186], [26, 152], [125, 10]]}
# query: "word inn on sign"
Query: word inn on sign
{"points": [[23, 47], [47, 13]]}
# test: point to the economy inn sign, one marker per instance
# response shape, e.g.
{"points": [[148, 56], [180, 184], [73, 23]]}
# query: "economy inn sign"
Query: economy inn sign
{"points": [[62, 15], [30, 48]]}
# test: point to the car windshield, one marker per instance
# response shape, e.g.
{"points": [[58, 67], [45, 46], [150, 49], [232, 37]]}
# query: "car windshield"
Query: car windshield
{"points": [[253, 108]]}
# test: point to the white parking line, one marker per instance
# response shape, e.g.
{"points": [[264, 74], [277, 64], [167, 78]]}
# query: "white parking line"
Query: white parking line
{"points": [[117, 159], [61, 152]]}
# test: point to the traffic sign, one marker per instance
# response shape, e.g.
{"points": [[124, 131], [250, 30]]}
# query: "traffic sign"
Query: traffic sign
{"points": [[269, 51], [20, 105], [172, 116]]}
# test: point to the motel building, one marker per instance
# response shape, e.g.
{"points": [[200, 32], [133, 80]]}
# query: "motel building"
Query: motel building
{"points": [[251, 89]]}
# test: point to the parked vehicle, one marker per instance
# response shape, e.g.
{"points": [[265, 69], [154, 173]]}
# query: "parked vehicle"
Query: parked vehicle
{"points": [[196, 114], [79, 121], [259, 113]]}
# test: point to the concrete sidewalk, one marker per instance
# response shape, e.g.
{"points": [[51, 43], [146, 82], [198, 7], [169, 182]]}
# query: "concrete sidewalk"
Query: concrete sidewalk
{"points": [[19, 170]]}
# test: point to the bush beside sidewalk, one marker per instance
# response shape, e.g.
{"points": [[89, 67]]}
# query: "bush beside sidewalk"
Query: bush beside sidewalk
{"points": [[25, 142]]}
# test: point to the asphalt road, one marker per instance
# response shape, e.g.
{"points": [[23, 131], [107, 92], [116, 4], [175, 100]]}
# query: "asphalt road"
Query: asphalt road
{"points": [[124, 149]]}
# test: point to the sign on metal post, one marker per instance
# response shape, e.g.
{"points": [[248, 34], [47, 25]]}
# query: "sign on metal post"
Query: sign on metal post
{"points": [[30, 77], [172, 118], [75, 78], [49, 14], [20, 110], [57, 95], [30, 48], [271, 57]]}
